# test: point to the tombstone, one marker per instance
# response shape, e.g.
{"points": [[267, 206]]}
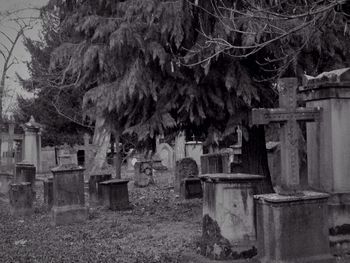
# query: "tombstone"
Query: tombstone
{"points": [[179, 150], [328, 149], [167, 155], [194, 150], [48, 192], [95, 194], [21, 199], [114, 194], [5, 180], [143, 173], [25, 172], [187, 183], [291, 224], [68, 193], [274, 160], [215, 163], [229, 229], [32, 143]]}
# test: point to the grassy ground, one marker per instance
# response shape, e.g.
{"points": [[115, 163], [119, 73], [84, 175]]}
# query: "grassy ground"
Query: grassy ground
{"points": [[159, 228]]}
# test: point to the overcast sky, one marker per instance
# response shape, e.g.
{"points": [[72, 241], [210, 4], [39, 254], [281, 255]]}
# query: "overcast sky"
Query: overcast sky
{"points": [[12, 87]]}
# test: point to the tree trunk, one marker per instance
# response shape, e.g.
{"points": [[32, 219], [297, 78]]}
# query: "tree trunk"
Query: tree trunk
{"points": [[254, 156], [118, 157]]}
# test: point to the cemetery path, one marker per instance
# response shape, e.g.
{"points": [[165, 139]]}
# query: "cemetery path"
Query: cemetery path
{"points": [[159, 228]]}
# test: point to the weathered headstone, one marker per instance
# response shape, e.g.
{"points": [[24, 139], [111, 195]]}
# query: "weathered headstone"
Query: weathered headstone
{"points": [[229, 230], [68, 193], [167, 155], [187, 183], [95, 194], [5, 180], [143, 173], [194, 150], [215, 163], [291, 224], [115, 194], [32, 143], [328, 149], [21, 199], [48, 192], [25, 172]]}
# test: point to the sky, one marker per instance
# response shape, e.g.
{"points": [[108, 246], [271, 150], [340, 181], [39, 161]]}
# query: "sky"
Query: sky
{"points": [[12, 87]]}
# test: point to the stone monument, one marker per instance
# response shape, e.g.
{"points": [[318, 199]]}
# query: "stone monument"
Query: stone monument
{"points": [[328, 149], [292, 224]]}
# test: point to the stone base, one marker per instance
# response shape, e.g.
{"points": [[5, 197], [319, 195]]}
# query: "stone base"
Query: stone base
{"points": [[65, 215], [191, 188], [21, 199], [115, 194], [229, 229], [339, 223], [293, 229], [95, 194]]}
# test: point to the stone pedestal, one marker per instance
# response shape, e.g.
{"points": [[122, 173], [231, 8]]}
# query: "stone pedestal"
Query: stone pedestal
{"points": [[32, 142], [68, 194], [21, 199], [48, 192], [328, 144], [95, 194], [143, 173], [293, 229], [5, 180], [115, 194], [191, 188], [229, 230], [25, 172], [215, 163]]}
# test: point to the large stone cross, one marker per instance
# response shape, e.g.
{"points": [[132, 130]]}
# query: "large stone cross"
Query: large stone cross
{"points": [[288, 115]]}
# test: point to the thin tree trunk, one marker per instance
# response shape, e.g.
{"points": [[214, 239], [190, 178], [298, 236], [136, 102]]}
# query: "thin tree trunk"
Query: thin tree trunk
{"points": [[254, 156]]}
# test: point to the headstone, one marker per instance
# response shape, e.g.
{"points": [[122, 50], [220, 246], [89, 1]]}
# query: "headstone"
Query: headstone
{"points": [[194, 150], [68, 193], [48, 192], [187, 183], [5, 180], [328, 149], [143, 173], [180, 142], [229, 230], [215, 163], [115, 194], [32, 143], [25, 172], [21, 199], [167, 155], [95, 194], [291, 224]]}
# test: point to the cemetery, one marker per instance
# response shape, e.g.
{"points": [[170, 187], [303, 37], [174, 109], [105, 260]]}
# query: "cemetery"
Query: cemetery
{"points": [[176, 132]]}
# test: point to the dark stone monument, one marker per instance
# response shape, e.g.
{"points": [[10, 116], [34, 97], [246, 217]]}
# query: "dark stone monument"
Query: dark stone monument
{"points": [[115, 194], [25, 172], [21, 199], [68, 193], [187, 183], [95, 194], [229, 224], [292, 224], [215, 163], [143, 173], [48, 192]]}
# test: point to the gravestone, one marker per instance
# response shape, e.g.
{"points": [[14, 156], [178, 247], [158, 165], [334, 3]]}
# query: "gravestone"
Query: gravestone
{"points": [[166, 154], [291, 224], [68, 193], [32, 143], [48, 192], [5, 180], [229, 230], [143, 173], [114, 194], [328, 149], [21, 199], [215, 163], [194, 150], [95, 194], [187, 183], [25, 172]]}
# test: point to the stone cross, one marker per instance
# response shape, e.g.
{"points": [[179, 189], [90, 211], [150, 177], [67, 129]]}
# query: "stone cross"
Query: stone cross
{"points": [[288, 115]]}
